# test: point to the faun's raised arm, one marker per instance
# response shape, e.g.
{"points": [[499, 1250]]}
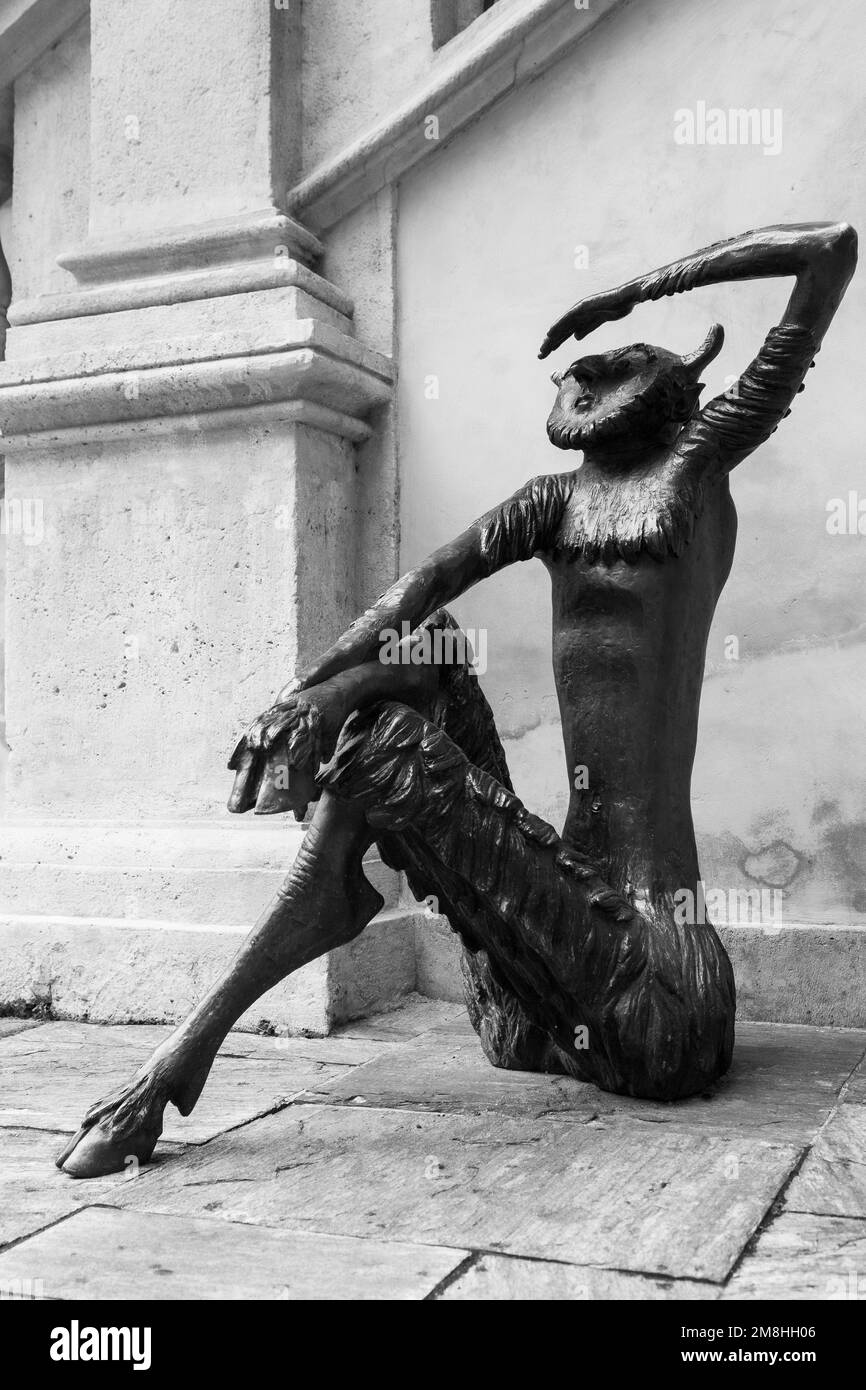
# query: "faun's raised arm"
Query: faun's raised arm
{"points": [[820, 255]]}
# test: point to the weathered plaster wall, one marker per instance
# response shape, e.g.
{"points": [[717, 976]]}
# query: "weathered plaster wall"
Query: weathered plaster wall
{"points": [[487, 232]]}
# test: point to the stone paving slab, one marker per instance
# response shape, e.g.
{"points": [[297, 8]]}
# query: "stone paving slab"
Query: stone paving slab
{"points": [[782, 1085], [402, 1137], [49, 1077], [336, 1050], [804, 1257], [163, 1257], [855, 1091], [444, 1070], [33, 1193], [418, 1015], [8, 1026], [618, 1194], [832, 1180], [138, 1039], [505, 1278]]}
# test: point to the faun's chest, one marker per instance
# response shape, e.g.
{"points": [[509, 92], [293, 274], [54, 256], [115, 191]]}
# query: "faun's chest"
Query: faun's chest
{"points": [[651, 590], [659, 517]]}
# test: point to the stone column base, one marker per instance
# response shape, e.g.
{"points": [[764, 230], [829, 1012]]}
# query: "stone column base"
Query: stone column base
{"points": [[806, 973], [154, 911]]}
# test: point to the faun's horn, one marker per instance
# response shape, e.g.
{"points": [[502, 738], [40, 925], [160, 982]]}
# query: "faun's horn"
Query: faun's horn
{"points": [[694, 362]]}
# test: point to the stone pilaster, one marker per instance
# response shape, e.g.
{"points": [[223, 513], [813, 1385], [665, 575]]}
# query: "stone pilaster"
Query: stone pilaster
{"points": [[183, 421]]}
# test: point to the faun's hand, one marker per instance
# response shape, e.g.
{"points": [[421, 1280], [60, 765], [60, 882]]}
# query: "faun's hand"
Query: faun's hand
{"points": [[302, 729], [587, 315], [308, 722], [294, 687]]}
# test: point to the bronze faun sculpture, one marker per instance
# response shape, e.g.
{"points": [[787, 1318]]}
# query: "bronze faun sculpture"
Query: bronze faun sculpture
{"points": [[574, 959]]}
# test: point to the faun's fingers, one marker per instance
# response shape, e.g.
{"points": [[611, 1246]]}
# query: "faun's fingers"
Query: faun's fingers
{"points": [[283, 723], [234, 761], [253, 736], [247, 777], [586, 316], [294, 687], [558, 332], [257, 734]]}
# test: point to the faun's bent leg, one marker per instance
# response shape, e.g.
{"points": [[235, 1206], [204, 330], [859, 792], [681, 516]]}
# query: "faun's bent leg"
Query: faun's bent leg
{"points": [[508, 1036], [633, 1003], [324, 902], [553, 952]]}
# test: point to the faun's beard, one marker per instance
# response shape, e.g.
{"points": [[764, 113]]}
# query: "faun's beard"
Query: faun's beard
{"points": [[648, 417], [568, 431]]}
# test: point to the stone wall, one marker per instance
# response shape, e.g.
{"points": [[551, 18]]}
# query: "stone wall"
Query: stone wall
{"points": [[359, 64], [49, 209], [182, 397]]}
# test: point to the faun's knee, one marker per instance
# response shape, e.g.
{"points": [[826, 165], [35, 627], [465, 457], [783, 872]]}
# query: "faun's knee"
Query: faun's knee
{"points": [[672, 1051], [372, 743], [510, 1038]]}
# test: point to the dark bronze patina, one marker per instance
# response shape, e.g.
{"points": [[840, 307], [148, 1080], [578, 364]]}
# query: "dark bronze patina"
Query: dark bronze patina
{"points": [[574, 959]]}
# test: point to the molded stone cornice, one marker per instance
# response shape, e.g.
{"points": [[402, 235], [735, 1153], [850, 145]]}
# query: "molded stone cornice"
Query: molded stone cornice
{"points": [[216, 324], [252, 237], [269, 272], [311, 363], [267, 416], [260, 250], [510, 45]]}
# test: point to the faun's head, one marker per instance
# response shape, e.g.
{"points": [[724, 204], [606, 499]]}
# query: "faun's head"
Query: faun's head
{"points": [[638, 395]]}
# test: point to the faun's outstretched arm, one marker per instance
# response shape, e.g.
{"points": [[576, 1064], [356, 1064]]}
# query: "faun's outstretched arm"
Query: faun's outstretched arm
{"points": [[513, 531], [820, 255], [445, 574], [309, 711]]}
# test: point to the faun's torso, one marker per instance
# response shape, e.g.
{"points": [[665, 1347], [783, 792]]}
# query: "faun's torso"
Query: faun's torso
{"points": [[629, 642]]}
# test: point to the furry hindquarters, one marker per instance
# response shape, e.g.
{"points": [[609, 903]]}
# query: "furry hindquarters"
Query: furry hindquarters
{"points": [[629, 1001]]}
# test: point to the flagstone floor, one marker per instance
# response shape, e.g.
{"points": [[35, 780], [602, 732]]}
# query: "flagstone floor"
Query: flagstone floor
{"points": [[390, 1161]]}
